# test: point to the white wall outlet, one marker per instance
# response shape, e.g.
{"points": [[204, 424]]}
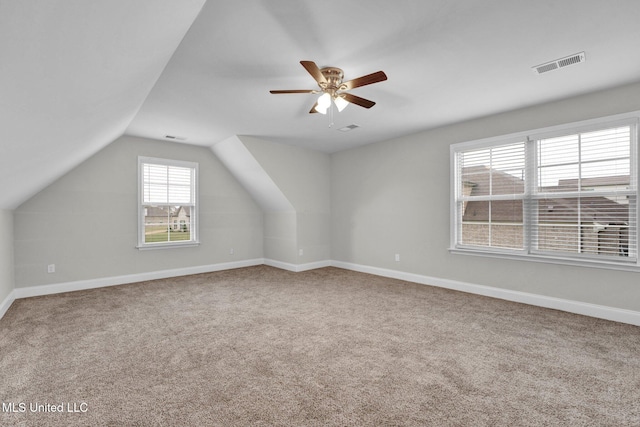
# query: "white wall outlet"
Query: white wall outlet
{"points": [[51, 268], [397, 257], [231, 251], [300, 252]]}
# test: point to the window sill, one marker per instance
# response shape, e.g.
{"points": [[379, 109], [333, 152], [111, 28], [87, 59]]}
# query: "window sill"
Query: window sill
{"points": [[622, 266], [167, 246]]}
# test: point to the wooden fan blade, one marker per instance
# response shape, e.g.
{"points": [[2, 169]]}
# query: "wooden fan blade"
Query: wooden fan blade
{"points": [[313, 109], [376, 77], [293, 91], [313, 69], [357, 100]]}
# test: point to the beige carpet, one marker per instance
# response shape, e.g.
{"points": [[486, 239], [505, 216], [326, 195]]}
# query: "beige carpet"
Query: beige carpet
{"points": [[260, 346]]}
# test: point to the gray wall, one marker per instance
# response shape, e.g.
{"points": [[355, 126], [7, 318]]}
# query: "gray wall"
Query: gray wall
{"points": [[86, 222], [281, 237], [304, 177], [6, 254], [393, 197], [374, 201]]}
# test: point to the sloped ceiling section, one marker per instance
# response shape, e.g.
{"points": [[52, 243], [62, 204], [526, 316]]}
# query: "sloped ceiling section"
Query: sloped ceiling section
{"points": [[73, 75], [251, 175]]}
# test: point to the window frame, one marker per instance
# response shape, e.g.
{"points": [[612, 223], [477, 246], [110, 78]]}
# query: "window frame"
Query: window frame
{"points": [[194, 241], [531, 137]]}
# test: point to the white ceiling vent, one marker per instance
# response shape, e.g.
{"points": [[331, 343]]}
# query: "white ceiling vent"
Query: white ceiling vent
{"points": [[348, 128], [176, 138], [559, 63]]}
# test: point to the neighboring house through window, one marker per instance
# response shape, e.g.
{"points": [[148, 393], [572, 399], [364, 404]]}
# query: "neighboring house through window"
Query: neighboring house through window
{"points": [[567, 194], [167, 203]]}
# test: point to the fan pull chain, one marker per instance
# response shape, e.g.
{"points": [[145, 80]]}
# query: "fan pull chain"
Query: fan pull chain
{"points": [[330, 115]]}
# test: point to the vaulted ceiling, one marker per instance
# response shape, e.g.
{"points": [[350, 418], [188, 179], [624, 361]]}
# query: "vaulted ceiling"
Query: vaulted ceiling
{"points": [[77, 74]]}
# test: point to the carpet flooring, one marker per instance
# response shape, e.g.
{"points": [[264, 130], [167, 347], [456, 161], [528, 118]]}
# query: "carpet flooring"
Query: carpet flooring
{"points": [[260, 346]]}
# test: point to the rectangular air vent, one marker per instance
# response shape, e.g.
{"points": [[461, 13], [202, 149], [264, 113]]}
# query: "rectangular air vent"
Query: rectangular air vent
{"points": [[559, 63], [348, 128], [177, 138]]}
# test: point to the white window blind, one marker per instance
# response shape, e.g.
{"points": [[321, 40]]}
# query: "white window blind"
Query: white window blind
{"points": [[565, 193], [168, 195], [584, 194], [164, 184], [490, 196]]}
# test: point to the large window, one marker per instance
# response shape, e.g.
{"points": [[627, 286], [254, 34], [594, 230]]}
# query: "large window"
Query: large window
{"points": [[568, 193], [167, 203]]}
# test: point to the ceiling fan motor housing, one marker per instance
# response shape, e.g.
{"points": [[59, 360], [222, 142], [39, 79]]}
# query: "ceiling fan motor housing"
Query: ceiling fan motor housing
{"points": [[334, 77]]}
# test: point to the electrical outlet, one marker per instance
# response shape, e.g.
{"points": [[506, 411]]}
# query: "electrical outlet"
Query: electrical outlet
{"points": [[300, 252], [51, 268], [231, 251], [397, 257]]}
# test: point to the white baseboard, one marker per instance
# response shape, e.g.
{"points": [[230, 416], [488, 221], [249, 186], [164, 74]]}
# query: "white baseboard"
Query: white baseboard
{"points": [[297, 267], [314, 265], [279, 264], [79, 285], [577, 307], [56, 288], [7, 303]]}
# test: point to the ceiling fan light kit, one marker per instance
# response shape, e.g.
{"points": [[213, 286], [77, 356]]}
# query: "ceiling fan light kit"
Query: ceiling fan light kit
{"points": [[324, 102], [340, 102], [332, 88]]}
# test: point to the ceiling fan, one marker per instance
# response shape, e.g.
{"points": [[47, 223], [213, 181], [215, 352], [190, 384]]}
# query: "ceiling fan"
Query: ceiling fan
{"points": [[333, 88]]}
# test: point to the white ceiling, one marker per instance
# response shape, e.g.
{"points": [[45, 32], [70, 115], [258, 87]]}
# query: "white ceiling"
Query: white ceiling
{"points": [[73, 74], [76, 74]]}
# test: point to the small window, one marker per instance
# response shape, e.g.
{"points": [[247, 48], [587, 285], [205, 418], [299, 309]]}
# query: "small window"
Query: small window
{"points": [[167, 197], [566, 193]]}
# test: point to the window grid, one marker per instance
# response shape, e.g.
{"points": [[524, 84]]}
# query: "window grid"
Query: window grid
{"points": [[574, 195], [167, 207], [491, 192]]}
